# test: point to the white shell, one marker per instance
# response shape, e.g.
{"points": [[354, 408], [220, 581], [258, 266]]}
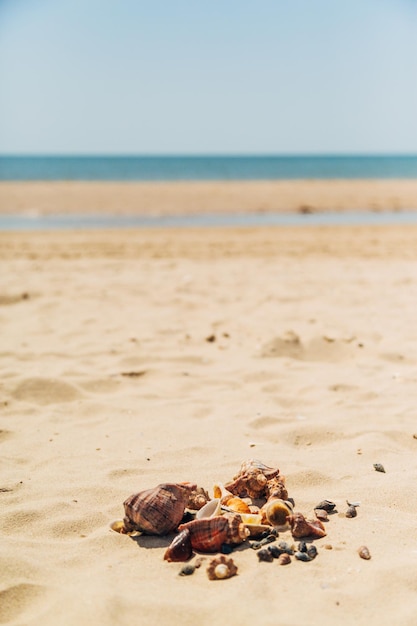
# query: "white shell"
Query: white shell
{"points": [[211, 509]]}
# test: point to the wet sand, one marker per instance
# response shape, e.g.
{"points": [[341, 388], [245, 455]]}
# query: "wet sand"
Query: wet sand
{"points": [[191, 198]]}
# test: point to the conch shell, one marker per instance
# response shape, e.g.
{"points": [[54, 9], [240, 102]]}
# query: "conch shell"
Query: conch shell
{"points": [[220, 568], [252, 479], [198, 498], [180, 548], [301, 527], [209, 534], [157, 511], [275, 488]]}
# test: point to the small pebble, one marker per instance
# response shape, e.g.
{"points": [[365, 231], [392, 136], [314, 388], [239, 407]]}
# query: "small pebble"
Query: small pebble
{"points": [[187, 570], [265, 555], [302, 546], [351, 512], [312, 551], [322, 515], [302, 556], [328, 546], [364, 553], [379, 467], [326, 505], [275, 551], [285, 547]]}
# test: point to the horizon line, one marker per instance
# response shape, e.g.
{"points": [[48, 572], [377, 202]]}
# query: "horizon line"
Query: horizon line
{"points": [[203, 155]]}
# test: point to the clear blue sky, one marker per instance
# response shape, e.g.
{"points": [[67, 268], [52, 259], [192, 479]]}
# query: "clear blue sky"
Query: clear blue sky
{"points": [[192, 76]]}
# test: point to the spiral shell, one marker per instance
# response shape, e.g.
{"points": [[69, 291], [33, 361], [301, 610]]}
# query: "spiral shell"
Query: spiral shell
{"points": [[209, 534], [252, 479], [197, 499], [221, 568], [157, 511], [180, 548], [301, 527], [276, 489]]}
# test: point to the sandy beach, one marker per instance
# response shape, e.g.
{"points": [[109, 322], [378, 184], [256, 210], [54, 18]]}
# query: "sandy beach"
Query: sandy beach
{"points": [[193, 197], [136, 357]]}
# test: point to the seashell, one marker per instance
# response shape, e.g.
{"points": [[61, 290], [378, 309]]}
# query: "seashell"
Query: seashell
{"points": [[312, 552], [277, 512], [252, 479], [285, 547], [235, 504], [301, 527], [256, 530], [275, 551], [211, 509], [326, 505], [284, 559], [219, 491], [221, 568], [265, 555], [118, 526], [251, 464], [180, 548], [276, 489], [364, 553], [379, 467], [302, 546], [351, 511], [197, 499], [302, 556], [322, 515], [208, 534], [157, 511]]}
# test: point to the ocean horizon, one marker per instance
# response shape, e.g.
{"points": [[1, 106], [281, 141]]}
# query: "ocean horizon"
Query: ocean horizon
{"points": [[205, 167]]}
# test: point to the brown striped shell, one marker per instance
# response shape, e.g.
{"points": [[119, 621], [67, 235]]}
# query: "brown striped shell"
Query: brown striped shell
{"points": [[301, 527], [209, 534], [157, 511]]}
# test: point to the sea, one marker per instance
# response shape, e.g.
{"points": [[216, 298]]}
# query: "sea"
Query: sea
{"points": [[176, 168], [188, 168]]}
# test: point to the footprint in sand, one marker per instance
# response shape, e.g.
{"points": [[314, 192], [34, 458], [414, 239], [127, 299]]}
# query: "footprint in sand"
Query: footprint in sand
{"points": [[46, 391]]}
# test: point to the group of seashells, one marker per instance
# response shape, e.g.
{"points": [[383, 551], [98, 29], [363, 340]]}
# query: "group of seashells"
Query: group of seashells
{"points": [[254, 502]]}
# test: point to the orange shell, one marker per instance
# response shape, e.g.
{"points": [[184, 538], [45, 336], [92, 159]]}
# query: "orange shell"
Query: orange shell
{"points": [[157, 511], [236, 504]]}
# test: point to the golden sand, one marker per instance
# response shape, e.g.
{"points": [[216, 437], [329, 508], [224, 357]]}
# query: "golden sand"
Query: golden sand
{"points": [[312, 369]]}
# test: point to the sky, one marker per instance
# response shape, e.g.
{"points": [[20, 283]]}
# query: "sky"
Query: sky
{"points": [[198, 77]]}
